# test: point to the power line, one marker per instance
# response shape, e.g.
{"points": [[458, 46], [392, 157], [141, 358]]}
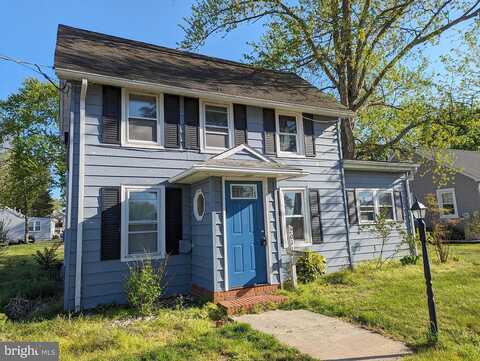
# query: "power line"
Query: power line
{"points": [[33, 67]]}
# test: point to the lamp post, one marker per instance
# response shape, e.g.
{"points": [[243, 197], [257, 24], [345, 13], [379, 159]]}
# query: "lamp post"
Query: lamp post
{"points": [[419, 210]]}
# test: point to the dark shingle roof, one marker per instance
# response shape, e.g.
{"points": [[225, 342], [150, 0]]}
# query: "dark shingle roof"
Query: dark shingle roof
{"points": [[96, 53]]}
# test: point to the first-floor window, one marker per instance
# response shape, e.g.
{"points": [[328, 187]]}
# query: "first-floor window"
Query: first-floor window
{"points": [[34, 226], [144, 232], [447, 203], [372, 203], [294, 214]]}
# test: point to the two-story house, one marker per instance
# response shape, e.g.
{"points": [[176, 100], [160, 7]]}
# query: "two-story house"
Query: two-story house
{"points": [[221, 166]]}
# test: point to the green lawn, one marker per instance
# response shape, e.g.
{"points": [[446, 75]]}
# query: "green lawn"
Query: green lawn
{"points": [[118, 334], [393, 302]]}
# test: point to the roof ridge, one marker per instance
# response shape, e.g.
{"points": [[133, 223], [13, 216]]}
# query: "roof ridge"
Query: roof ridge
{"points": [[177, 51]]}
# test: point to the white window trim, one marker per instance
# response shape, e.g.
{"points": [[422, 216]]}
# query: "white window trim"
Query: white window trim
{"points": [[300, 153], [442, 191], [202, 130], [306, 217], [376, 205], [241, 185], [34, 226], [199, 217], [125, 257], [160, 120]]}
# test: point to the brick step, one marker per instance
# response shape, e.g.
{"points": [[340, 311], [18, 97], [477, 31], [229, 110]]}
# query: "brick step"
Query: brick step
{"points": [[246, 304]]}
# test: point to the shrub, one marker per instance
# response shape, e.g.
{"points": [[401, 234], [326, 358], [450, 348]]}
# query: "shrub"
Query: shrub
{"points": [[410, 259], [18, 308], [144, 285], [310, 266], [47, 259]]}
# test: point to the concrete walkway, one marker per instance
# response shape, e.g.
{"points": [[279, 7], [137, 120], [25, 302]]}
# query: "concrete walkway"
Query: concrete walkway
{"points": [[325, 338]]}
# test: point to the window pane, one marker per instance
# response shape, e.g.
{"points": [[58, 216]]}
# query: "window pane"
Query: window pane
{"points": [[365, 198], [385, 199], [288, 143], [387, 212], [293, 203], [447, 198], [200, 204], [142, 129], [139, 243], [287, 124], [142, 206], [244, 191], [217, 140], [448, 209], [216, 116], [368, 214], [295, 225], [142, 106]]}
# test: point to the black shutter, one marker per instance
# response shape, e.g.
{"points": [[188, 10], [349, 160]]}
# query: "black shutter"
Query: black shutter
{"points": [[352, 207], [191, 123], [315, 215], [308, 135], [111, 223], [240, 123], [173, 220], [171, 105], [269, 129], [397, 195], [111, 114]]}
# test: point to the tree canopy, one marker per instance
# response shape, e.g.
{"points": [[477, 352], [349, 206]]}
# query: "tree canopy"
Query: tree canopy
{"points": [[348, 47]]}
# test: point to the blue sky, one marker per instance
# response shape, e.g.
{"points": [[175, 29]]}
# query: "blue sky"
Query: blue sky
{"points": [[29, 29]]}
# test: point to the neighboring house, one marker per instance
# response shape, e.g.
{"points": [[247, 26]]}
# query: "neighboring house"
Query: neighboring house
{"points": [[460, 198], [218, 164], [39, 228], [14, 222]]}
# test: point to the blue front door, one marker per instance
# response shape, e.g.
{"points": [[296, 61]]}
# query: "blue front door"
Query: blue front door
{"points": [[246, 240]]}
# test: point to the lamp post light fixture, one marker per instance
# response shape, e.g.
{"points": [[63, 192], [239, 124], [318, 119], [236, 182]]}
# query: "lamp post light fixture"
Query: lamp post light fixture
{"points": [[419, 211]]}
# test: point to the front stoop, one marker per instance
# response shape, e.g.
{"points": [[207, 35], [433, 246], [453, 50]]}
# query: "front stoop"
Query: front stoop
{"points": [[246, 304]]}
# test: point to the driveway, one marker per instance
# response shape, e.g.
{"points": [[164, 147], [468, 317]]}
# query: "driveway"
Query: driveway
{"points": [[325, 338]]}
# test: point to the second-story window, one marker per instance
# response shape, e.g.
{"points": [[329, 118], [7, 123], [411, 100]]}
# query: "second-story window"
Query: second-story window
{"points": [[142, 118], [289, 134], [216, 126]]}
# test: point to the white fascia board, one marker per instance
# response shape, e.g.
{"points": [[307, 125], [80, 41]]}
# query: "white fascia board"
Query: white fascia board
{"points": [[161, 88], [366, 165]]}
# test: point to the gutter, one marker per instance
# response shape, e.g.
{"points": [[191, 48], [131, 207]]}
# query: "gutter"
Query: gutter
{"points": [[80, 211], [106, 79], [367, 165]]}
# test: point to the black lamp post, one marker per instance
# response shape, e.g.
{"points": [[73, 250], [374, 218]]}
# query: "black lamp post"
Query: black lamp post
{"points": [[419, 210]]}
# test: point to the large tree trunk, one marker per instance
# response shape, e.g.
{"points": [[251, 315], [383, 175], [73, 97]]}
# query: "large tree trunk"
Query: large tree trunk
{"points": [[348, 142]]}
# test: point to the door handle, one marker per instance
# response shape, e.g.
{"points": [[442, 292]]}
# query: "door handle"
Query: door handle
{"points": [[264, 241]]}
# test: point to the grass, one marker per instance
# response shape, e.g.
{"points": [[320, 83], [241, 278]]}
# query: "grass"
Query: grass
{"points": [[392, 301], [117, 333]]}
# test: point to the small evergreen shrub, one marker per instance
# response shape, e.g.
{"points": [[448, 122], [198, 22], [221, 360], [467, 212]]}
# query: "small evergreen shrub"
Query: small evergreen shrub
{"points": [[310, 267], [47, 259], [410, 259], [144, 286]]}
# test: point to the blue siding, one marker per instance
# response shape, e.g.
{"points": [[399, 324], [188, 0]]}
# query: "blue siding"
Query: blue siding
{"points": [[364, 244]]}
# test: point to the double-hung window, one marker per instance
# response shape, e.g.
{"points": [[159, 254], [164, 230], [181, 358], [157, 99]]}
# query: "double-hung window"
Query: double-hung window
{"points": [[372, 203], [142, 118], [289, 131], [217, 134], [447, 203], [296, 227], [143, 219], [34, 226]]}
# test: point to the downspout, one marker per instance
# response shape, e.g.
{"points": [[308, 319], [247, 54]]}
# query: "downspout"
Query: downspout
{"points": [[344, 195], [409, 200], [81, 183]]}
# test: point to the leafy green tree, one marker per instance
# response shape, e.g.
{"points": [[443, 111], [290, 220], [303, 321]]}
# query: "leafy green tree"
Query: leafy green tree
{"points": [[346, 46], [35, 162]]}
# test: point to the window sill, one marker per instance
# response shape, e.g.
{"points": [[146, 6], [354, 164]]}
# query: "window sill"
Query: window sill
{"points": [[453, 216], [145, 257], [290, 155], [149, 145]]}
